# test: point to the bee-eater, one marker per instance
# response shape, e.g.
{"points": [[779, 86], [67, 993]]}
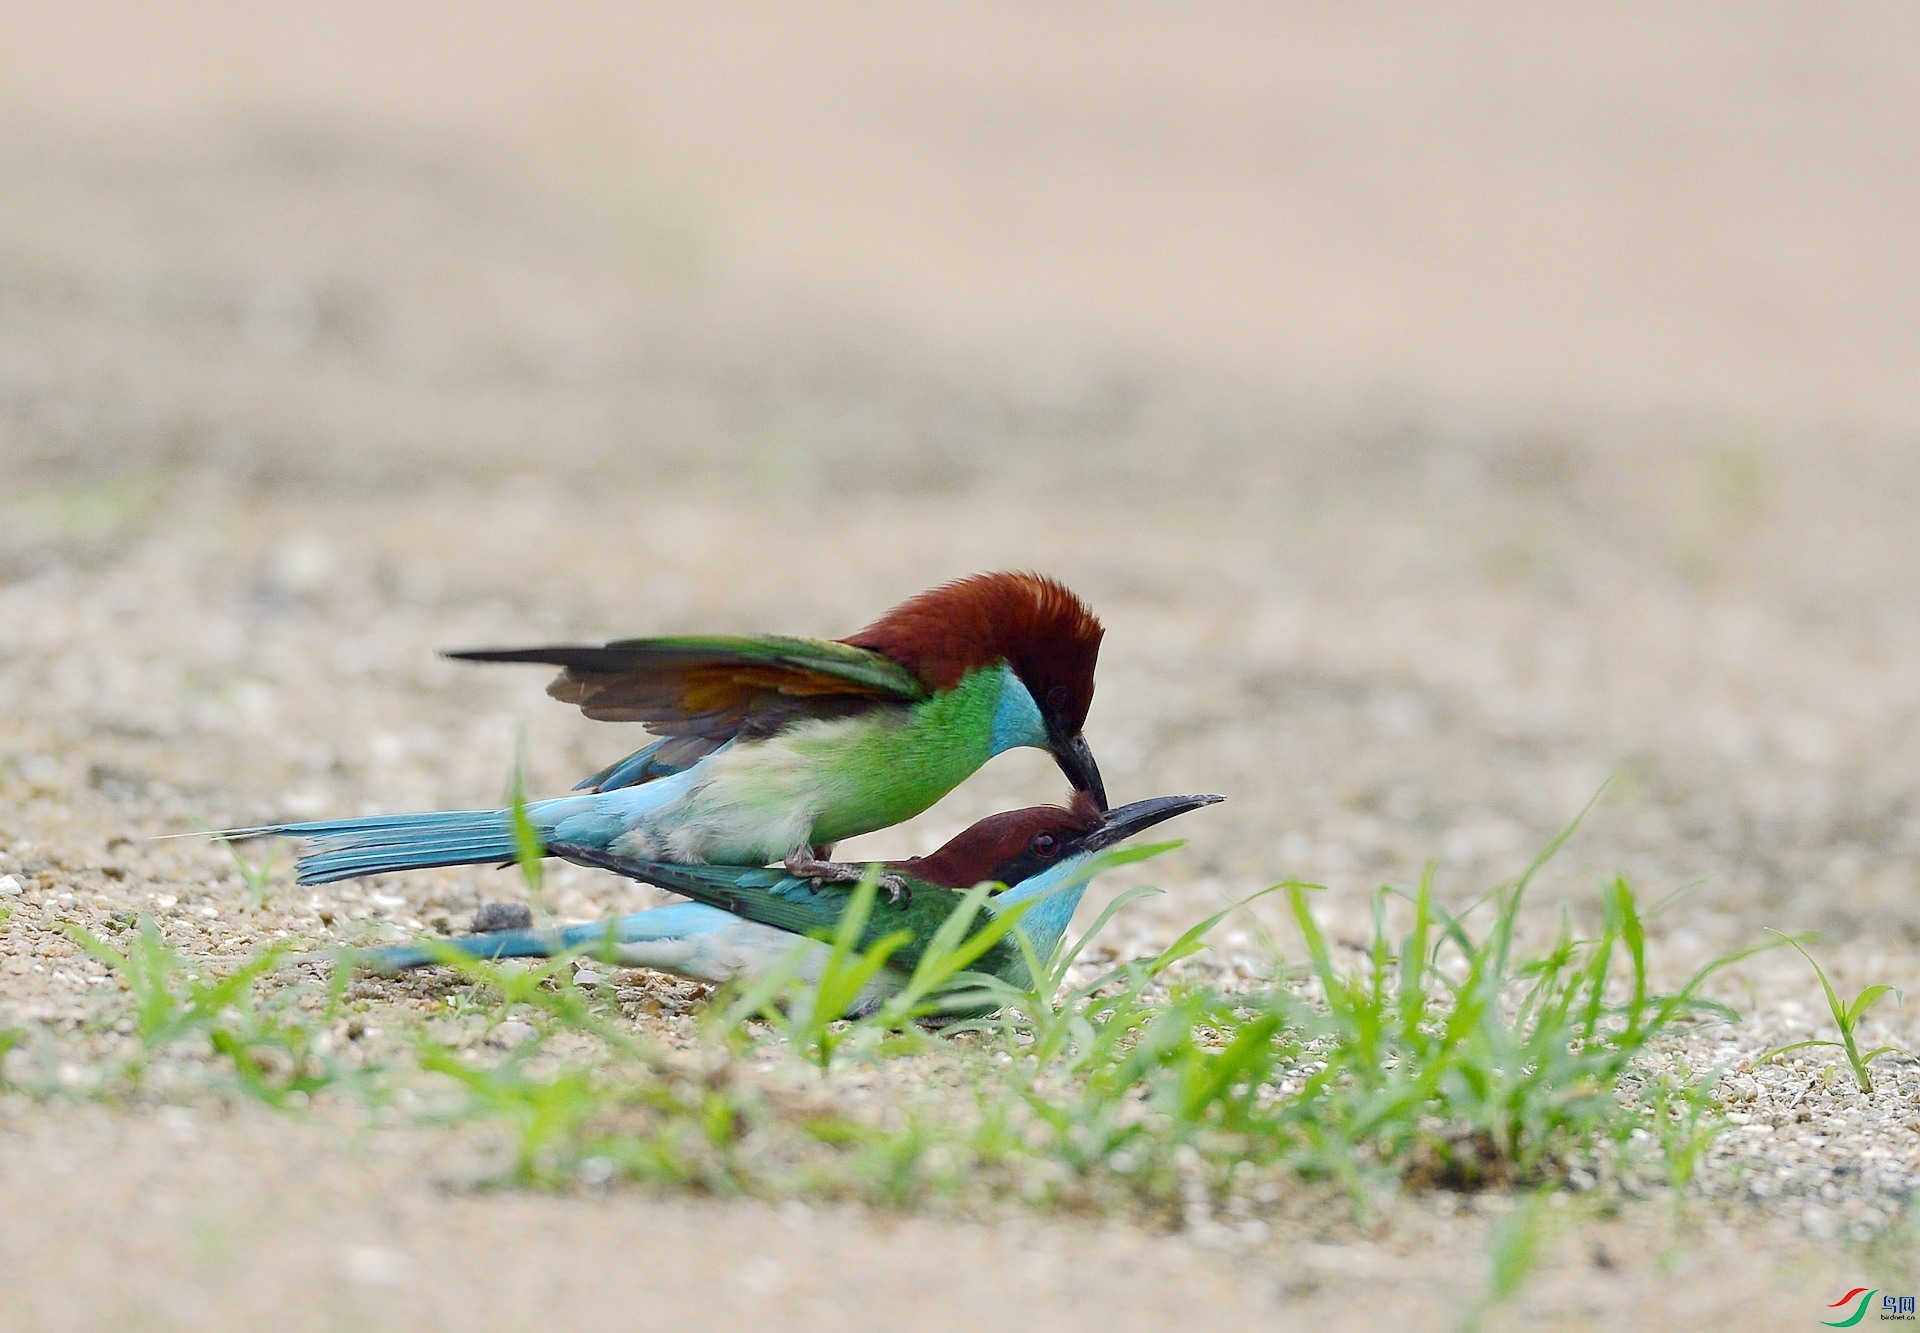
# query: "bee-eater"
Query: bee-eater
{"points": [[746, 920], [772, 748]]}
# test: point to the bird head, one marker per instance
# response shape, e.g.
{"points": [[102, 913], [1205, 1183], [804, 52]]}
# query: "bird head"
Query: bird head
{"points": [[1044, 634], [1017, 845]]}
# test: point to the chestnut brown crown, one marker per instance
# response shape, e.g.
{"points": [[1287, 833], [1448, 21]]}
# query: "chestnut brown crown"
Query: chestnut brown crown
{"points": [[1008, 847], [1035, 624]]}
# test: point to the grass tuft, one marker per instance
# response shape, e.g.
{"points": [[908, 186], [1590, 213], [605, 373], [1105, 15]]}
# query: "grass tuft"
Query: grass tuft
{"points": [[1846, 1017], [274, 1050], [1444, 1055]]}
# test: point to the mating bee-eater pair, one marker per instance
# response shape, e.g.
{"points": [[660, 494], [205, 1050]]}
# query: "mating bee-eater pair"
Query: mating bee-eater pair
{"points": [[775, 748]]}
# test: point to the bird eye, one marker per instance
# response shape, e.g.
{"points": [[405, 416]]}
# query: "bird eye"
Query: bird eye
{"points": [[1057, 697], [1044, 845]]}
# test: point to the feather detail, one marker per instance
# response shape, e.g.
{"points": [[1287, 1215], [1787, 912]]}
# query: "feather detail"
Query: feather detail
{"points": [[715, 685], [662, 759]]}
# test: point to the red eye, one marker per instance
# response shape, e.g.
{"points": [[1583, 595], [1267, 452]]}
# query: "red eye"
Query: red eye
{"points": [[1057, 697], [1044, 845]]}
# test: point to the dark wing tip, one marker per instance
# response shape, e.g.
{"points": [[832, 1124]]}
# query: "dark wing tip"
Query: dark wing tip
{"points": [[573, 657], [547, 656], [492, 654]]}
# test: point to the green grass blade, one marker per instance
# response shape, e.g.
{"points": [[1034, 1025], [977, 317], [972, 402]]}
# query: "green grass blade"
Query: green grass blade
{"points": [[1864, 1001], [1779, 1051], [529, 848], [1413, 961]]}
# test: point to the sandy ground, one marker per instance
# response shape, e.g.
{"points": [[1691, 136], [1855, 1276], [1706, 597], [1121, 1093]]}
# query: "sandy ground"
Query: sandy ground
{"points": [[288, 402]]}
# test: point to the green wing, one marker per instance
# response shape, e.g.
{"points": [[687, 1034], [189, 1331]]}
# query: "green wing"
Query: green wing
{"points": [[773, 897]]}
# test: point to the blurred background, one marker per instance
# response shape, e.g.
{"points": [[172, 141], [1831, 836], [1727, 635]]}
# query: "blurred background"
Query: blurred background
{"points": [[1449, 408]]}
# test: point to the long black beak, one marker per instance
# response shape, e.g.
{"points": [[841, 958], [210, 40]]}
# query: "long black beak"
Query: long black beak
{"points": [[1127, 820], [1075, 758]]}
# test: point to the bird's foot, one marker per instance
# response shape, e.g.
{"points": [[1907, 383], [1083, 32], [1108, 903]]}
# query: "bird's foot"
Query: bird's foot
{"points": [[805, 865]]}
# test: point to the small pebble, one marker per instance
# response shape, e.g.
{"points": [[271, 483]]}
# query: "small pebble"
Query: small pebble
{"points": [[761, 1275], [513, 1033], [495, 917], [373, 1265], [10, 886]]}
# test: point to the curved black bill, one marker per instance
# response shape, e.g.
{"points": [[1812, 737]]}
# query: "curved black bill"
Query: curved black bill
{"points": [[1124, 821], [1075, 758]]}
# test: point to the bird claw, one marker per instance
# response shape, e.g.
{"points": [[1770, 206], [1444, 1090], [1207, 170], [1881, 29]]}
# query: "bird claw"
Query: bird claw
{"points": [[804, 865], [899, 894]]}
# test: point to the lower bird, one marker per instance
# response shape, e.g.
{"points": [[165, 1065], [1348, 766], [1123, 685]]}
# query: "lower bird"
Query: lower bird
{"points": [[745, 921]]}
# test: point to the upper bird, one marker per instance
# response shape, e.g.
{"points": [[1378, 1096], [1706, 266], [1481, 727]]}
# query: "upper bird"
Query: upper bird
{"points": [[775, 748]]}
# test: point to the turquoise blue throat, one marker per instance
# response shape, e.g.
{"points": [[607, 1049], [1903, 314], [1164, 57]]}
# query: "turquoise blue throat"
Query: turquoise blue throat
{"points": [[1016, 717], [1055, 895]]}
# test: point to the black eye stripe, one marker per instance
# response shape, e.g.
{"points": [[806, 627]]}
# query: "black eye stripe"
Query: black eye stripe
{"points": [[1058, 696]]}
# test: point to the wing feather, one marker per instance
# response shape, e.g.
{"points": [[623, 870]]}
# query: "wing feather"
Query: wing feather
{"points": [[712, 686], [773, 897]]}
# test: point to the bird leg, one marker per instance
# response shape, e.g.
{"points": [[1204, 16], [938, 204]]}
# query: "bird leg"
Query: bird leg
{"points": [[807, 863]]}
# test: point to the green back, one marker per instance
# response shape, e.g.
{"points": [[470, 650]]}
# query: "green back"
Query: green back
{"points": [[773, 897]]}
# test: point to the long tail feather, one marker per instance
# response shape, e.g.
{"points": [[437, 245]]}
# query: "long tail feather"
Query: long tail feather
{"points": [[375, 844], [343, 848], [676, 921], [503, 944]]}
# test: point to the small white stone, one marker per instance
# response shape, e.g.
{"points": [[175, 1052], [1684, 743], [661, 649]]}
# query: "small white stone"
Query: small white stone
{"points": [[762, 1275], [1820, 1223], [11, 887], [373, 1265]]}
